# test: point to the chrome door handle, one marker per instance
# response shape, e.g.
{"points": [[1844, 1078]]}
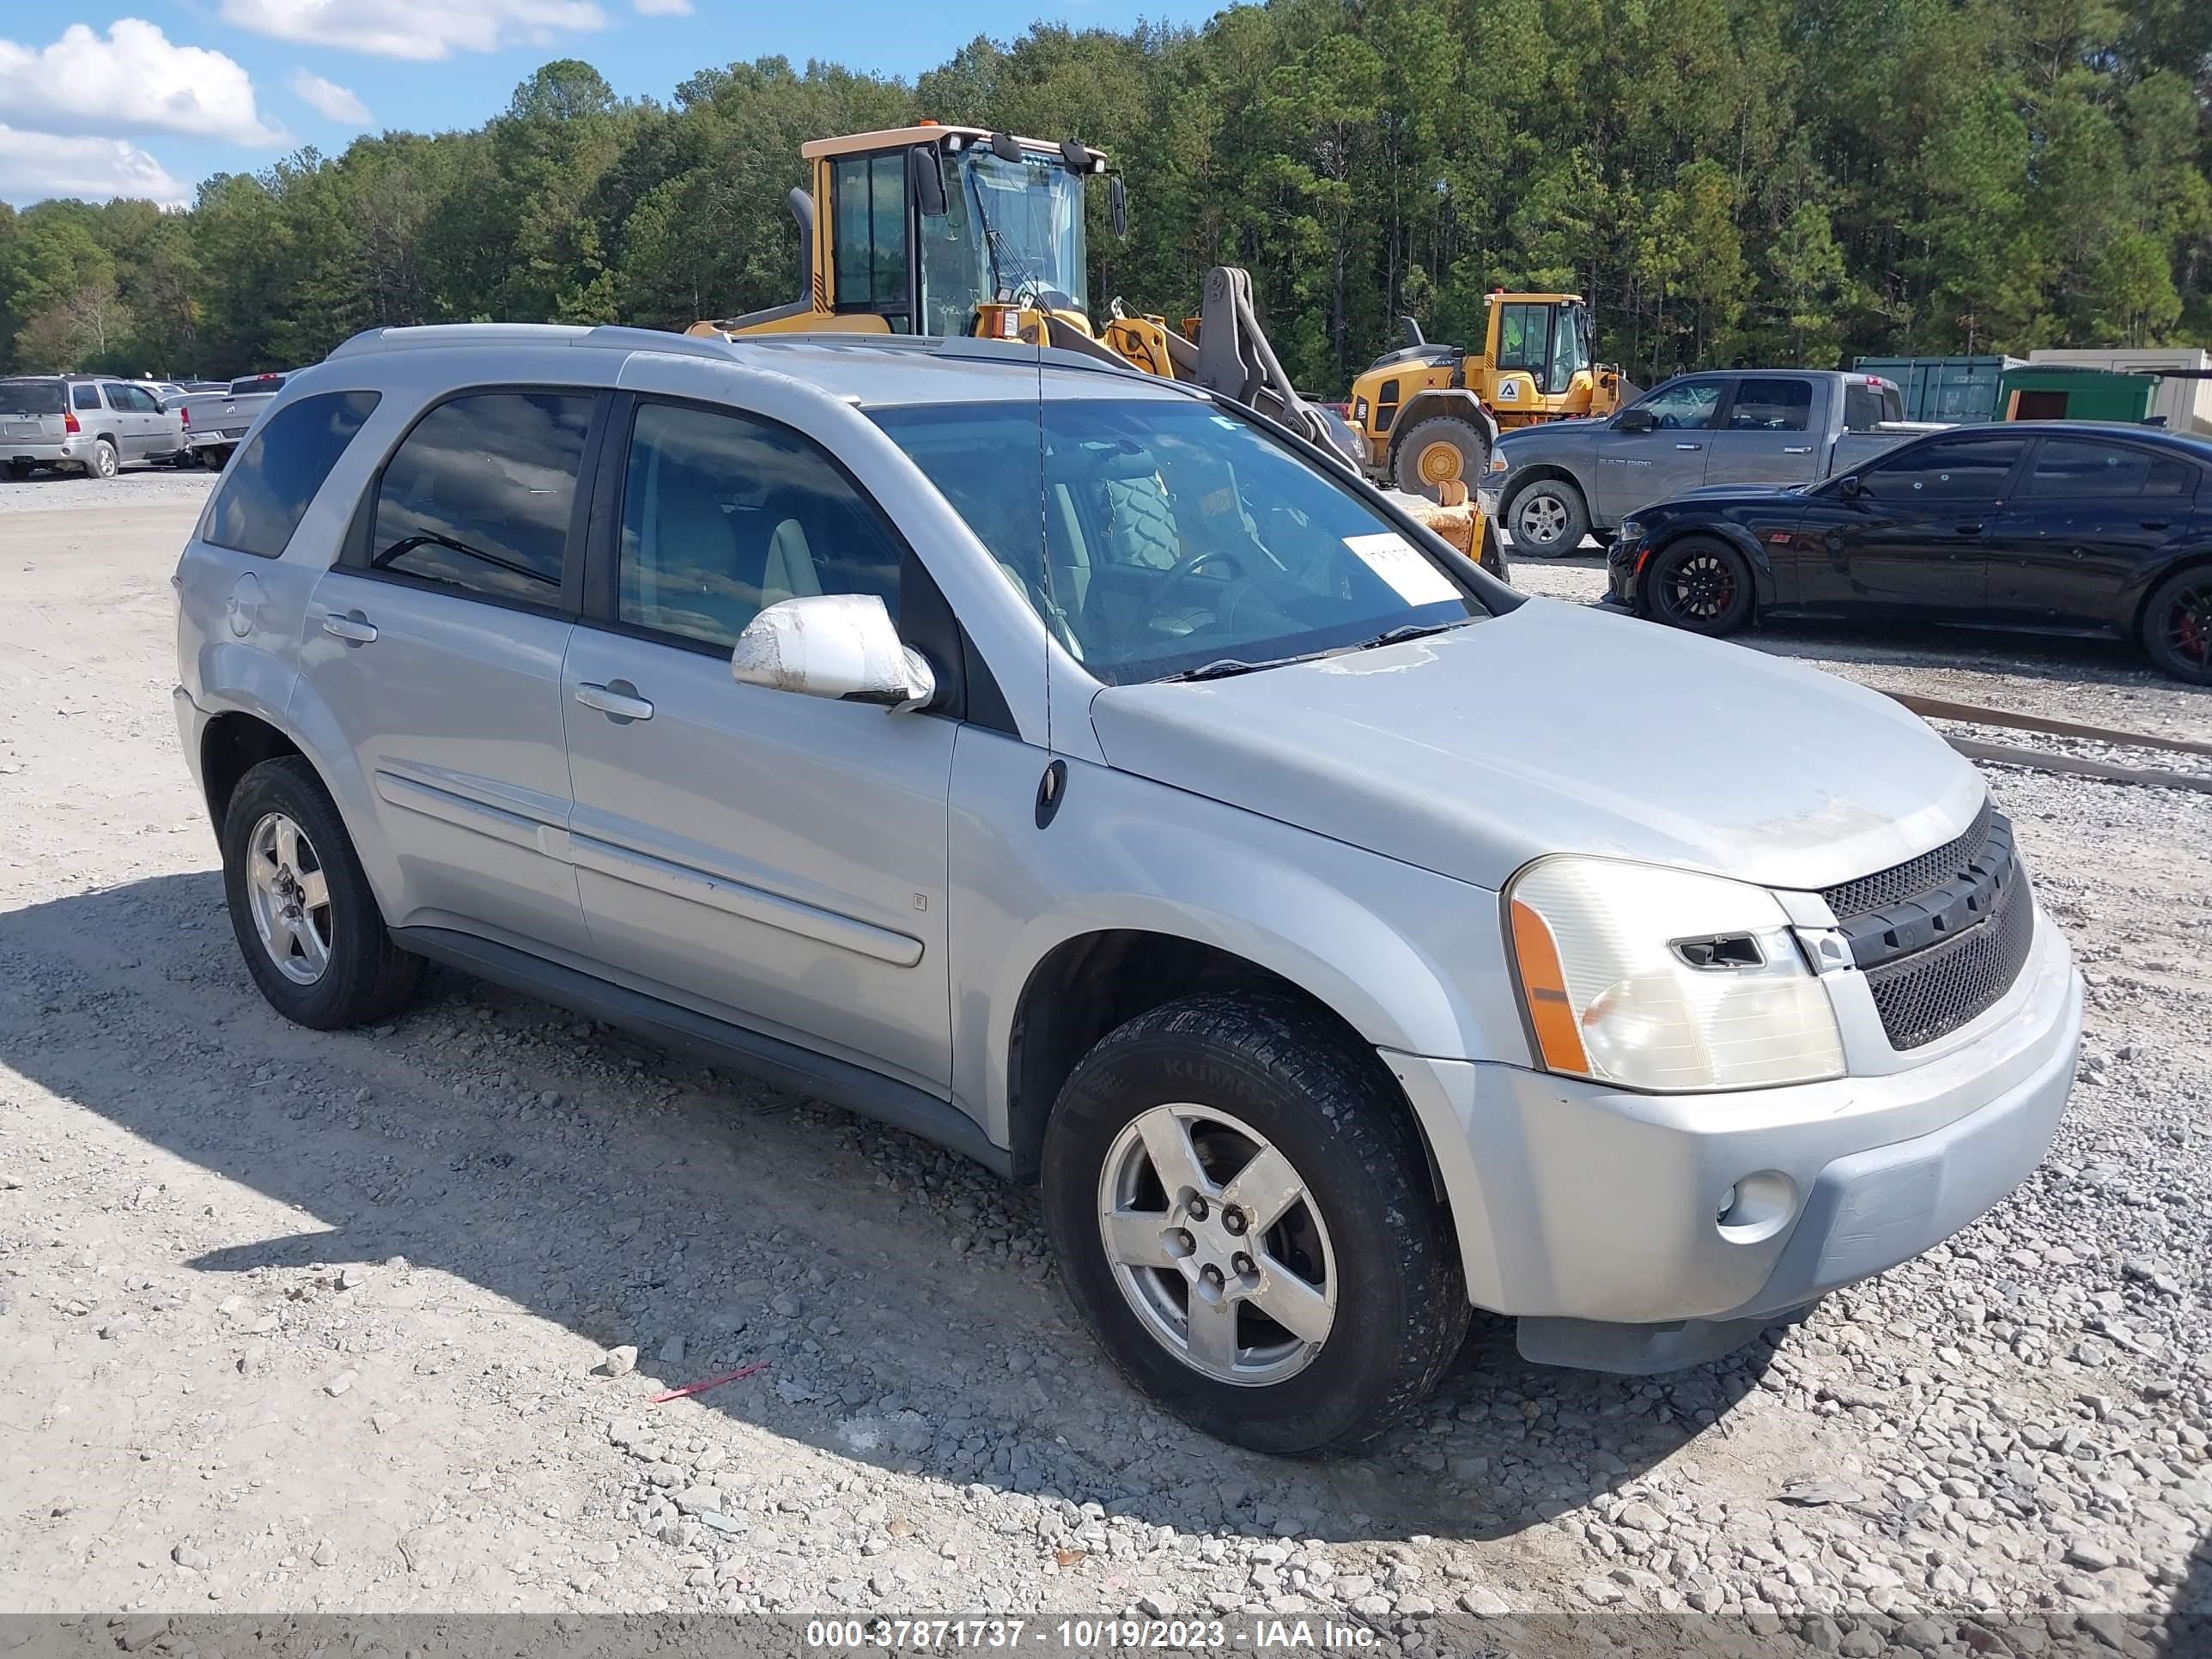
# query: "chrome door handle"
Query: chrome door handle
{"points": [[1797, 449], [623, 705], [354, 631], [1689, 445]]}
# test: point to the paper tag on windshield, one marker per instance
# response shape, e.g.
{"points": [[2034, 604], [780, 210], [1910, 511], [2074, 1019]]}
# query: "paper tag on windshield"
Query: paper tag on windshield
{"points": [[1397, 561]]}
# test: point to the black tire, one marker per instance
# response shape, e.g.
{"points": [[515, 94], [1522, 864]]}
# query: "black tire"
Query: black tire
{"points": [[2177, 625], [1466, 441], [1401, 1310], [213, 457], [105, 462], [19, 471], [1700, 585], [367, 977], [1557, 517]]}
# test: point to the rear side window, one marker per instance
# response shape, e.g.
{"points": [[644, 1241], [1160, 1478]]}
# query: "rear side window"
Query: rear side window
{"points": [[30, 397], [1972, 469], [479, 496], [2067, 467], [1866, 407], [1771, 406], [85, 396], [269, 482]]}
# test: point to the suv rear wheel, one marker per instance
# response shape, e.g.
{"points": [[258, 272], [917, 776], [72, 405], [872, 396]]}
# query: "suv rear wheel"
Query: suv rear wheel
{"points": [[103, 464], [1242, 1209], [307, 922]]}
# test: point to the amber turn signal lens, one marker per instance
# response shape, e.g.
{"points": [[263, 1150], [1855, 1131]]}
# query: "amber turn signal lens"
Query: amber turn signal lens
{"points": [[1544, 986]]}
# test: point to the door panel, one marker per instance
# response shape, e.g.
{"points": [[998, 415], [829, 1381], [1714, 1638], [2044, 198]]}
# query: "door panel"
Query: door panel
{"points": [[1916, 540], [2090, 512], [1766, 436], [779, 857], [1634, 468], [452, 710]]}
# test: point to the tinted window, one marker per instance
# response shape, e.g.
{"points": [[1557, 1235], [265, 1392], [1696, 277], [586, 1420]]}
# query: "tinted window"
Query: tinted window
{"points": [[137, 399], [1523, 337], [1685, 406], [479, 494], [85, 396], [1771, 406], [269, 482], [257, 382], [2070, 466], [869, 202], [1171, 535], [1948, 469], [31, 396], [723, 515]]}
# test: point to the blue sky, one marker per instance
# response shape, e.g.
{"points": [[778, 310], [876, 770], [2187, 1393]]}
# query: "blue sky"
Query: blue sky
{"points": [[146, 99]]}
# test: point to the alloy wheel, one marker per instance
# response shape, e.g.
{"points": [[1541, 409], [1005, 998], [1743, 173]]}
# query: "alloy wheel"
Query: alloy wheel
{"points": [[290, 898], [1700, 587], [2188, 624], [1541, 520], [1216, 1243]]}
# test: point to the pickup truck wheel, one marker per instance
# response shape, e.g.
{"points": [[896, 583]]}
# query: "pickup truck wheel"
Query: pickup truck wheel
{"points": [[1242, 1209], [2177, 625], [103, 464], [1699, 585], [1437, 450], [307, 921], [212, 457], [1548, 516]]}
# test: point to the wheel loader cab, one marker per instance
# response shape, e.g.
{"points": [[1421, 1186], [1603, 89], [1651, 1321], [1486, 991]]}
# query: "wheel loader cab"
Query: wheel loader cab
{"points": [[936, 230]]}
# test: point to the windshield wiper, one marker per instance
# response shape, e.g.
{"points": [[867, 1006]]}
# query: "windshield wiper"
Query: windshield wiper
{"points": [[1222, 668], [1408, 631]]}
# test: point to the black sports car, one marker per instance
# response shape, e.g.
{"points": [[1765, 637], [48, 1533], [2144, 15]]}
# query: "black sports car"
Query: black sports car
{"points": [[2060, 526]]}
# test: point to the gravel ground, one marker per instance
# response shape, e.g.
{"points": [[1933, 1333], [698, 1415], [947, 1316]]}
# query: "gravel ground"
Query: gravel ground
{"points": [[373, 1322]]}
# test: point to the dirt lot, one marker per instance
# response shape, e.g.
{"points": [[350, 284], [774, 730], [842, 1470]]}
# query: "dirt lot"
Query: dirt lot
{"points": [[292, 1321]]}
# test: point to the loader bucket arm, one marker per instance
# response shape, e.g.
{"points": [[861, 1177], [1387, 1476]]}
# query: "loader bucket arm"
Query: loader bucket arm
{"points": [[1235, 359]]}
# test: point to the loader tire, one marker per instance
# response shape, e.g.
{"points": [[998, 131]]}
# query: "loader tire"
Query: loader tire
{"points": [[1442, 448]]}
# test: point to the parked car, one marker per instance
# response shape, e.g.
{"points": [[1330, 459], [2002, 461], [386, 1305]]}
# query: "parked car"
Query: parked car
{"points": [[92, 423], [216, 420], [1564, 479], [1047, 760], [2070, 527]]}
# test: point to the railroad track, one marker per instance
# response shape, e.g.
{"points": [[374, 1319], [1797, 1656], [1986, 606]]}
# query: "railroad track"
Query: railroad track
{"points": [[2044, 760]]}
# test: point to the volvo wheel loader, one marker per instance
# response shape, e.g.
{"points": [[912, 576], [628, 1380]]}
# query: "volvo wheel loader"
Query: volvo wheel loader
{"points": [[1428, 414], [952, 231]]}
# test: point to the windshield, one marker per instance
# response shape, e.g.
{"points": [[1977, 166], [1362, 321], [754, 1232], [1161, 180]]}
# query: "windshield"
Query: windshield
{"points": [[1009, 230], [1570, 352], [1171, 536], [31, 396]]}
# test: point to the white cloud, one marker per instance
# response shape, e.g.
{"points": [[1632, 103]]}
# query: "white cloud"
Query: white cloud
{"points": [[330, 99], [33, 165], [134, 80], [418, 29], [662, 8]]}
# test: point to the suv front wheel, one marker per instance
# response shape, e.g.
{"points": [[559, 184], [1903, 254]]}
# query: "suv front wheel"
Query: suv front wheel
{"points": [[1242, 1209]]}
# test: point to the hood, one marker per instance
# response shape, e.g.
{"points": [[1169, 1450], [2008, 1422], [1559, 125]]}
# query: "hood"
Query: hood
{"points": [[1736, 494], [1528, 437], [1556, 729]]}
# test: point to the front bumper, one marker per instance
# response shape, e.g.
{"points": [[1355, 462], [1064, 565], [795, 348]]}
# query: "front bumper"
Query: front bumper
{"points": [[1594, 1215]]}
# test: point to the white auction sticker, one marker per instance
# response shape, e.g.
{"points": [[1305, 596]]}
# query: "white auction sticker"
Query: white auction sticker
{"points": [[1398, 562]]}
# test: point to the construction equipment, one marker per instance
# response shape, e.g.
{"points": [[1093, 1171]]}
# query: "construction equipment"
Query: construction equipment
{"points": [[948, 231], [1429, 413]]}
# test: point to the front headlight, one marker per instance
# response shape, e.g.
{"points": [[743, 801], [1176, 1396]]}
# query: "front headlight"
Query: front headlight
{"points": [[1665, 979], [1630, 530]]}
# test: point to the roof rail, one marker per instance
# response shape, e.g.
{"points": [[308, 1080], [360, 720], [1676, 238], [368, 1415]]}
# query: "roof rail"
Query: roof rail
{"points": [[448, 335]]}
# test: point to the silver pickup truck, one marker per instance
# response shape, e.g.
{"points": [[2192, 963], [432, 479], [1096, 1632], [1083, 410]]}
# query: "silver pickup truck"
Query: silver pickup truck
{"points": [[215, 421], [1564, 479]]}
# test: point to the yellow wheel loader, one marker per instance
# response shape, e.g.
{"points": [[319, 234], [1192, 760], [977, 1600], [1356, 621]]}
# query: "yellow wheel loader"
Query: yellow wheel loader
{"points": [[951, 231], [1427, 415]]}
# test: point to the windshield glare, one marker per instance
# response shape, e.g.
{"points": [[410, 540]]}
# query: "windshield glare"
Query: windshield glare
{"points": [[1168, 535], [1034, 209]]}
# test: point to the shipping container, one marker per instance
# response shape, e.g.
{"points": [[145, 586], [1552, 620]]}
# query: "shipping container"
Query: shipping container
{"points": [[2060, 391], [2185, 387], [1956, 389]]}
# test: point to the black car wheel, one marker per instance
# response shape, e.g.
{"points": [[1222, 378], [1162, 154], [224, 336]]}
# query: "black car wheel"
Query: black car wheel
{"points": [[2177, 625], [1699, 584]]}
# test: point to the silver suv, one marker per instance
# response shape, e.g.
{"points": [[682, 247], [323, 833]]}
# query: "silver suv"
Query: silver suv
{"points": [[1050, 762], [89, 423]]}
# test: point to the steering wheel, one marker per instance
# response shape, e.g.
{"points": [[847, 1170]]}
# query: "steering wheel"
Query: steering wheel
{"points": [[1183, 570]]}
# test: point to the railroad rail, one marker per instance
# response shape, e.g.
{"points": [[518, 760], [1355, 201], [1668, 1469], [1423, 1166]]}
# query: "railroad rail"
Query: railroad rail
{"points": [[1935, 708]]}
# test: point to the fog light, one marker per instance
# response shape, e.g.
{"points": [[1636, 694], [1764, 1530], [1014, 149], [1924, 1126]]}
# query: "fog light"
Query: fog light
{"points": [[1727, 1203], [1757, 1207]]}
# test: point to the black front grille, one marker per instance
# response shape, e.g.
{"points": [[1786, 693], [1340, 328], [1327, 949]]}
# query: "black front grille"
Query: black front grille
{"points": [[1915, 876], [1934, 992]]}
